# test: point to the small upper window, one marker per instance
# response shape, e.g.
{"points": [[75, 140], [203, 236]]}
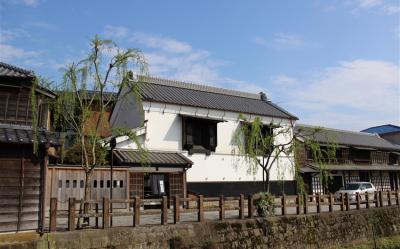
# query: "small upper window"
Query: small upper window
{"points": [[108, 184], [81, 184], [101, 184], [74, 183], [59, 183], [121, 184], [95, 184], [67, 184]]}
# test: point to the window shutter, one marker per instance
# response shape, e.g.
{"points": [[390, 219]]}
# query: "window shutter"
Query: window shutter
{"points": [[187, 134], [213, 136]]}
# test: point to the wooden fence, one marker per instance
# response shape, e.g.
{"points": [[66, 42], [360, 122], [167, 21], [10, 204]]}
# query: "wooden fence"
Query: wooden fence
{"points": [[177, 206]]}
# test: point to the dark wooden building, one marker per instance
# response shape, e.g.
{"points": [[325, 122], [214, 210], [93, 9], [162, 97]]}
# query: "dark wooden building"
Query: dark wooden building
{"points": [[360, 157], [22, 172]]}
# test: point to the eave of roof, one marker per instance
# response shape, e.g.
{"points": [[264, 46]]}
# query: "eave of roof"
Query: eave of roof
{"points": [[7, 70], [348, 138], [152, 158], [17, 134]]}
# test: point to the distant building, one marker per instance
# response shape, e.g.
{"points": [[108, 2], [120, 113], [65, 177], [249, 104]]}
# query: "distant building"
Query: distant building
{"points": [[360, 156], [389, 132]]}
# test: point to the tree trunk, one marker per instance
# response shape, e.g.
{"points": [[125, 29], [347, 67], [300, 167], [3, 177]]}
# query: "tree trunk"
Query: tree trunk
{"points": [[267, 180], [87, 196]]}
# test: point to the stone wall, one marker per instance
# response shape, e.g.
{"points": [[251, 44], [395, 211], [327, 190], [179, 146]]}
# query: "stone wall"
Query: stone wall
{"points": [[327, 230]]}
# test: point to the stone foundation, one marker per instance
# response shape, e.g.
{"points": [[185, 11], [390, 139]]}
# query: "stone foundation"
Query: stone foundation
{"points": [[327, 230]]}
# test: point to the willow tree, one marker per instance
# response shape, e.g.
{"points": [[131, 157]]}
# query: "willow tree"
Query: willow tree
{"points": [[88, 90], [262, 145]]}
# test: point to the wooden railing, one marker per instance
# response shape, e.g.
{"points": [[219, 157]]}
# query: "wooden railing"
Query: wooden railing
{"points": [[219, 206]]}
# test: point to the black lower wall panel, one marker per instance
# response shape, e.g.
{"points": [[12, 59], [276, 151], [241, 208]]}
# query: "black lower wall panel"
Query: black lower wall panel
{"points": [[237, 188]]}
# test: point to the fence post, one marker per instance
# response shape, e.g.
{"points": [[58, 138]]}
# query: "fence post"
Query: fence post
{"points": [[53, 214], [358, 197], [136, 214], [250, 208], [97, 213], [106, 212], [176, 210], [71, 214], [283, 204], [347, 201], [241, 207], [331, 200], [376, 196], [318, 203], [367, 200], [341, 202], [221, 207], [380, 199], [164, 210], [397, 198], [200, 206], [298, 204], [389, 196], [305, 204]]}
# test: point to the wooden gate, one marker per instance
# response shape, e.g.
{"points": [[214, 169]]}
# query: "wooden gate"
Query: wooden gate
{"points": [[20, 185]]}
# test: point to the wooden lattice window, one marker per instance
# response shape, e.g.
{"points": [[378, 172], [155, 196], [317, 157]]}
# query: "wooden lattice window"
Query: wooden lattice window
{"points": [[380, 157], [136, 185], [176, 184]]}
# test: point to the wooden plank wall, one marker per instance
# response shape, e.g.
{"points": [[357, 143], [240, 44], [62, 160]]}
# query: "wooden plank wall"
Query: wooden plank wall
{"points": [[68, 182], [19, 190]]}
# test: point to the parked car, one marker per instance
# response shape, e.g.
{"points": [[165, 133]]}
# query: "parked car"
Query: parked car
{"points": [[352, 188]]}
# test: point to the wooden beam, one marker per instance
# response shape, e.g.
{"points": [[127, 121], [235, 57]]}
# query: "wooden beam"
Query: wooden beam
{"points": [[241, 207], [250, 202]]}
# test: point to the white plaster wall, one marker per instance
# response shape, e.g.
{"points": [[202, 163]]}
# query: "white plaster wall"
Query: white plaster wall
{"points": [[164, 132]]}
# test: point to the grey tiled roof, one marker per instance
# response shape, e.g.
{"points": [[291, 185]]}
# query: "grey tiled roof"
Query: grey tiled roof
{"points": [[351, 167], [153, 158], [7, 70], [342, 137], [182, 93], [24, 135]]}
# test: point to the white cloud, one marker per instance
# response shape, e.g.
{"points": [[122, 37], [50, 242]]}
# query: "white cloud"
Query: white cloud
{"points": [[116, 31], [7, 35], [9, 53], [281, 41], [284, 80], [368, 3], [353, 94], [175, 59], [391, 9], [166, 44], [29, 3], [383, 6]]}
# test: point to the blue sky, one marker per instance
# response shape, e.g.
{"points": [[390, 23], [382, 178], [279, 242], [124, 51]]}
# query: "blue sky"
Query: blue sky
{"points": [[331, 63]]}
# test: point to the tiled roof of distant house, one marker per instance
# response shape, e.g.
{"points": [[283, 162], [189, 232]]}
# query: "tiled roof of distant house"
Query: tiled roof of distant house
{"points": [[7, 70], [188, 94], [15, 76], [345, 138], [383, 129]]}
